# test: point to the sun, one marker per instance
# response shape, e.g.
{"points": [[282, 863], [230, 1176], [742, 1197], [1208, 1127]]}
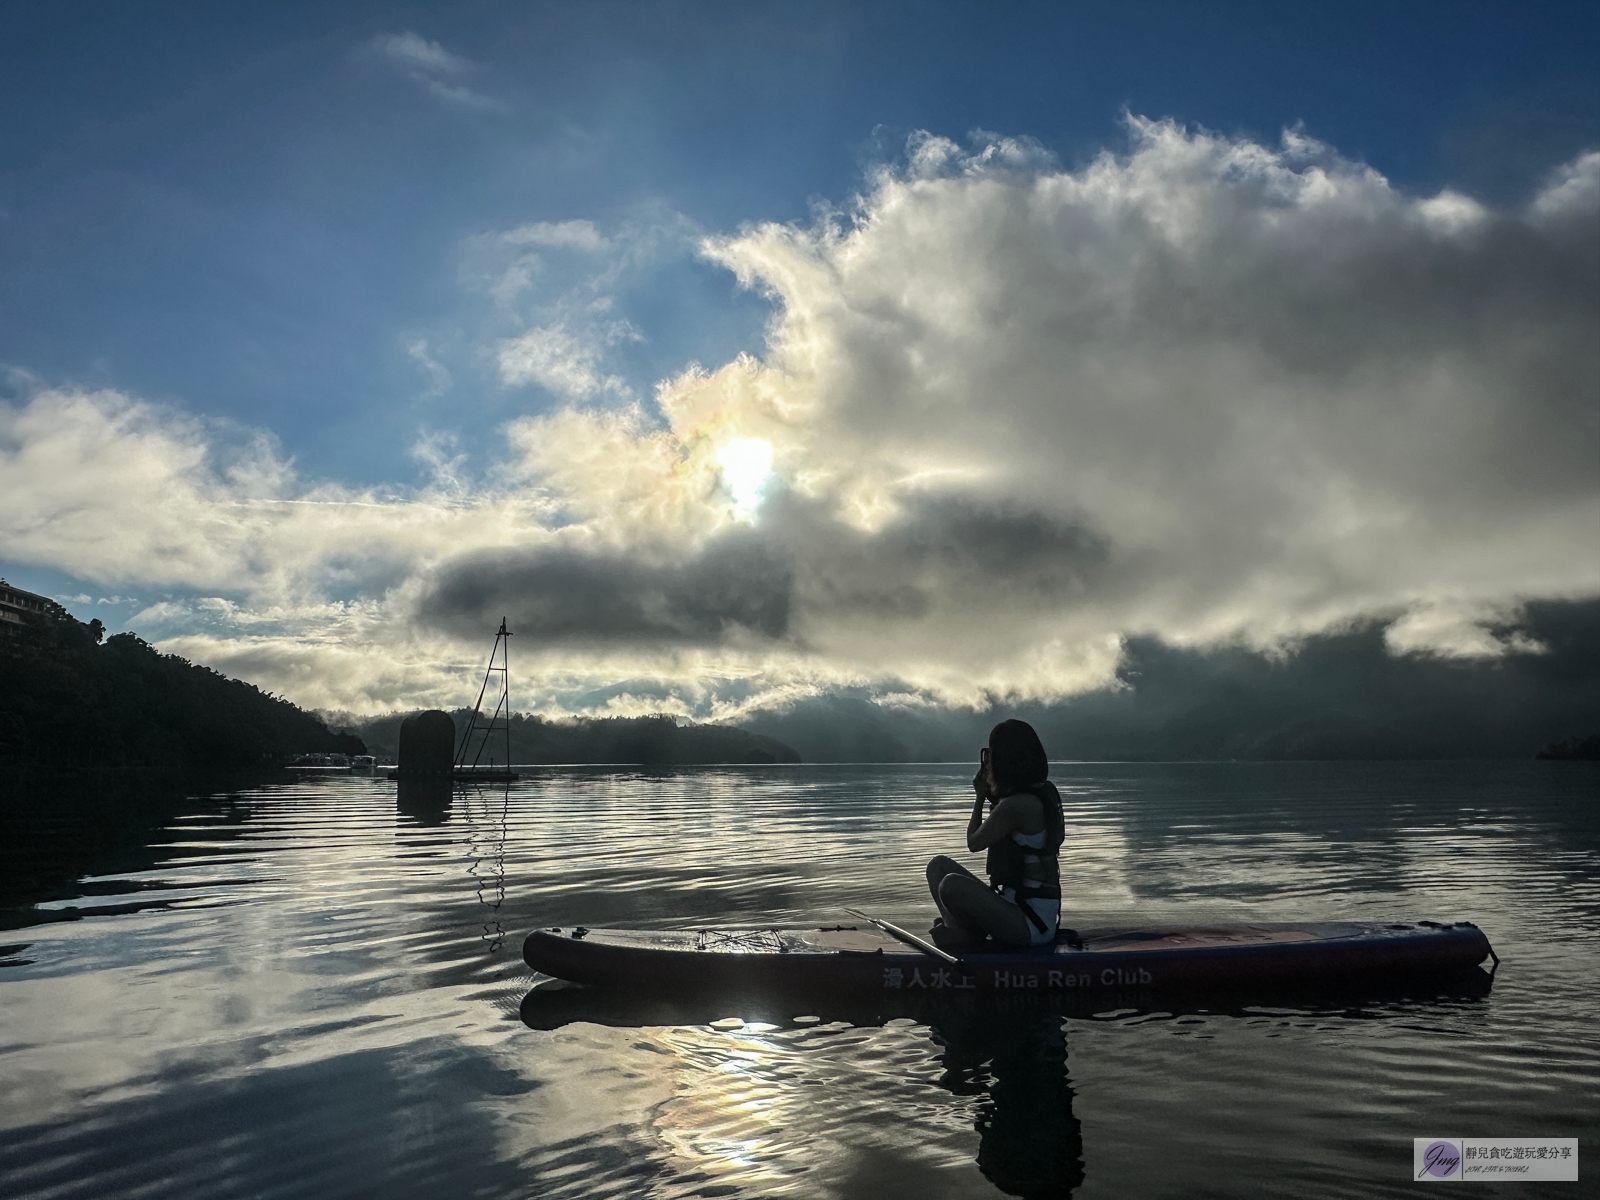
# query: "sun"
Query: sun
{"points": [[746, 463]]}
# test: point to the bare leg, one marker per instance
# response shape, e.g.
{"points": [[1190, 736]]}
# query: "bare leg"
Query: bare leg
{"points": [[978, 908], [967, 904], [939, 869]]}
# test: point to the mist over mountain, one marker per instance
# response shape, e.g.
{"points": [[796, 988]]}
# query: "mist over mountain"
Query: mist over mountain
{"points": [[653, 740], [1338, 696]]}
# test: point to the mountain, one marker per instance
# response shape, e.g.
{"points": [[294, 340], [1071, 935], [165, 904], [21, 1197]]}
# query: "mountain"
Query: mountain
{"points": [[653, 740]]}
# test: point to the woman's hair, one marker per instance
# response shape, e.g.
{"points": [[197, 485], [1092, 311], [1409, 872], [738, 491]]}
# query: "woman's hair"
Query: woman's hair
{"points": [[1016, 757]]}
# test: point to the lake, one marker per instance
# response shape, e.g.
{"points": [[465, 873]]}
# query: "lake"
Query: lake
{"points": [[300, 991]]}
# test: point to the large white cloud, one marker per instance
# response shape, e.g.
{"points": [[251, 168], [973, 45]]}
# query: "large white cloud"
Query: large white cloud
{"points": [[1282, 391], [109, 488], [1210, 390]]}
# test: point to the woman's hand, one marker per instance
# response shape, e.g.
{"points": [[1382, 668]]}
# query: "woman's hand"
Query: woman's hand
{"points": [[981, 781]]}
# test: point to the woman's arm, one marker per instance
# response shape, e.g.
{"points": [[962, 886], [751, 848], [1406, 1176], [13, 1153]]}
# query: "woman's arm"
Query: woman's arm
{"points": [[982, 834], [976, 820], [1014, 814], [980, 788]]}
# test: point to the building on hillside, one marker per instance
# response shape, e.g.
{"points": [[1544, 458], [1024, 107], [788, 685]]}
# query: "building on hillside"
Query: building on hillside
{"points": [[15, 607]]}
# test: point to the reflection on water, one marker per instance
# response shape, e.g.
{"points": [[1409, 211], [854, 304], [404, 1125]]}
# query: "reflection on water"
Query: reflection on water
{"points": [[487, 811], [315, 990], [425, 801], [739, 1087], [1006, 1057], [1029, 1143]]}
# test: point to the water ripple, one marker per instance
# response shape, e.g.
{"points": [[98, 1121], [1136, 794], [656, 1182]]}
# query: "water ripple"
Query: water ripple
{"points": [[302, 991]]}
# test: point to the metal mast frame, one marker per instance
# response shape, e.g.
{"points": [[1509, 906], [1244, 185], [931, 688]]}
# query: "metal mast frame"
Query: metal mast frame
{"points": [[482, 729]]}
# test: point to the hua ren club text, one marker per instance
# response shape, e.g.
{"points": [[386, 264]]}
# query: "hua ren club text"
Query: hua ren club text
{"points": [[942, 977]]}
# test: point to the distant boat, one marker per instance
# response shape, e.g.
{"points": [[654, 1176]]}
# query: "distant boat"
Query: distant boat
{"points": [[363, 764], [323, 764]]}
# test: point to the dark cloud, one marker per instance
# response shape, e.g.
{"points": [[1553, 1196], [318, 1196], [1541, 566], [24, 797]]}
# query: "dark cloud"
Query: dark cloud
{"points": [[944, 549], [801, 561], [575, 597], [1345, 695]]}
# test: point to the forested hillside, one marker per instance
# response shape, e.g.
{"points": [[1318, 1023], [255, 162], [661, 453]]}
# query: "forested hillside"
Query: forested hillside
{"points": [[72, 703]]}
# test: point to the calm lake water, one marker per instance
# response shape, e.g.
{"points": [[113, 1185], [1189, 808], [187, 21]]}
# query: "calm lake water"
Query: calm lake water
{"points": [[300, 991]]}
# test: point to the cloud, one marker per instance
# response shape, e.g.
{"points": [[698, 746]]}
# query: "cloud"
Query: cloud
{"points": [[558, 361], [1450, 630], [1206, 393], [106, 487], [804, 592], [1283, 392], [439, 380], [356, 675], [1573, 193], [562, 297], [433, 68], [578, 235], [1343, 694], [734, 585], [439, 452]]}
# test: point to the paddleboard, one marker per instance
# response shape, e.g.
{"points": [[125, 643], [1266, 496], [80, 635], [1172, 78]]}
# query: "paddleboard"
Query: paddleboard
{"points": [[861, 957]]}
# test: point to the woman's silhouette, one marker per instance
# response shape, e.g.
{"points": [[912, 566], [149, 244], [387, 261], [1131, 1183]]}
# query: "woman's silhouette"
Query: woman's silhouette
{"points": [[1022, 833]]}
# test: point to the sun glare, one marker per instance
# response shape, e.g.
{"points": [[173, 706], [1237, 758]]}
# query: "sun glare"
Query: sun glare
{"points": [[746, 463]]}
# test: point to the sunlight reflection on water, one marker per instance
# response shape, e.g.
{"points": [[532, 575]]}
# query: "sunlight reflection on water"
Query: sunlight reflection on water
{"points": [[301, 991]]}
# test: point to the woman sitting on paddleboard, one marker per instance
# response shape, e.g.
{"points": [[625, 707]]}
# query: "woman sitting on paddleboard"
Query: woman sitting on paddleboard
{"points": [[1023, 835]]}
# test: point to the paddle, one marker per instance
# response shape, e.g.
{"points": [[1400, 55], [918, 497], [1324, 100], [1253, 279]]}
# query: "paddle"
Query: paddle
{"points": [[909, 939]]}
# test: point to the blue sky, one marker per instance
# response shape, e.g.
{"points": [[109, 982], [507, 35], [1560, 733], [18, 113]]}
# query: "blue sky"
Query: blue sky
{"points": [[325, 224]]}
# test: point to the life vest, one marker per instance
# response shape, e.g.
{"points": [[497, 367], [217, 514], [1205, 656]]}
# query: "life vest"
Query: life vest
{"points": [[1008, 860]]}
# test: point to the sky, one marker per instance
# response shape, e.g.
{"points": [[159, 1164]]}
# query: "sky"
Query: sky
{"points": [[745, 354]]}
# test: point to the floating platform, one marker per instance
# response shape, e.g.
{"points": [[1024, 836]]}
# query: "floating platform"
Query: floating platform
{"points": [[483, 775], [461, 775]]}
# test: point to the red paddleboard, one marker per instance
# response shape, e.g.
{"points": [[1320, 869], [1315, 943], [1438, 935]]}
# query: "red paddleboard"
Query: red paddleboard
{"points": [[862, 958]]}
